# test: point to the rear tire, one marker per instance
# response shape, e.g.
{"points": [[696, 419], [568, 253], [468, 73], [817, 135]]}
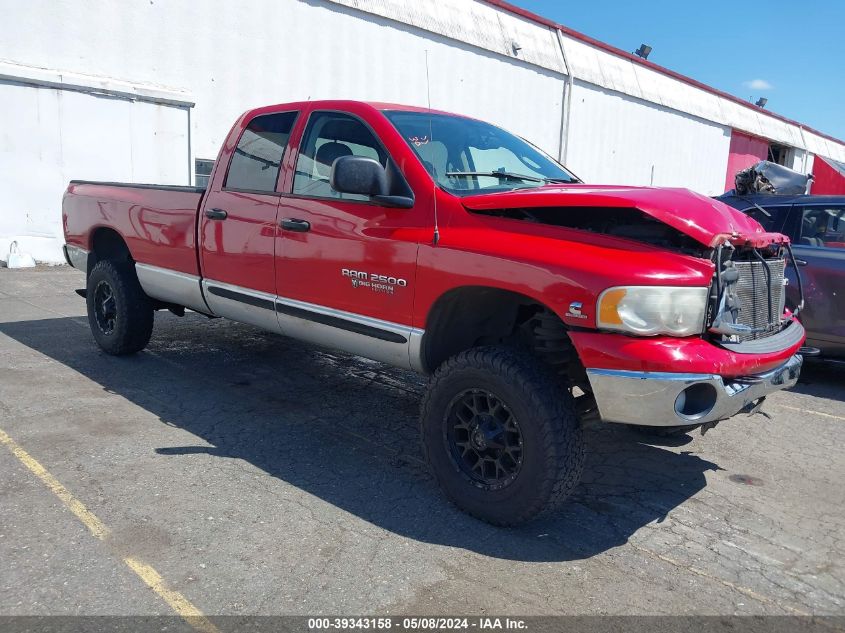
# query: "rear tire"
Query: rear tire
{"points": [[119, 312], [501, 436]]}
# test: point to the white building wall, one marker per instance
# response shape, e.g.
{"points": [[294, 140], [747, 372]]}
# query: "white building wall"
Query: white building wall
{"points": [[52, 135], [231, 57], [808, 169], [798, 160], [616, 139]]}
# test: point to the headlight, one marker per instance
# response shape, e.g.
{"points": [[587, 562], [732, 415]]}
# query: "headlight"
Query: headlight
{"points": [[651, 310]]}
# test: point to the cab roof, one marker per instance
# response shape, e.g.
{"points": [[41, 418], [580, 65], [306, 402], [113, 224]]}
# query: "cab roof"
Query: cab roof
{"points": [[342, 104]]}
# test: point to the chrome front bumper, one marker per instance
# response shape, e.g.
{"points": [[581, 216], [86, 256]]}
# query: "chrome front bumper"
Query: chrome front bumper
{"points": [[654, 398]]}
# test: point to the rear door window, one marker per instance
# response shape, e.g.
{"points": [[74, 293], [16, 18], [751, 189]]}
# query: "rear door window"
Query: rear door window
{"points": [[255, 162]]}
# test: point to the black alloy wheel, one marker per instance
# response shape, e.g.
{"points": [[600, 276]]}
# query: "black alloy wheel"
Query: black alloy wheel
{"points": [[105, 307], [484, 439]]}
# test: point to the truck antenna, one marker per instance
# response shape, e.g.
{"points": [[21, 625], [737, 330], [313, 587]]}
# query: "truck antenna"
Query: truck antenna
{"points": [[431, 139]]}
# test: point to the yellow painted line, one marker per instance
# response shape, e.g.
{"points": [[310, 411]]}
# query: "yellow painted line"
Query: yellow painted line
{"points": [[810, 411], [179, 603], [94, 525], [176, 600]]}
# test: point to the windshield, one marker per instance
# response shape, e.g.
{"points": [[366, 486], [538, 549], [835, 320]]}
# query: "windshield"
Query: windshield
{"points": [[465, 156]]}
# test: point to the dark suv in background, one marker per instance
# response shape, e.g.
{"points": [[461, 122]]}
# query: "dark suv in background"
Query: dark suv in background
{"points": [[816, 226]]}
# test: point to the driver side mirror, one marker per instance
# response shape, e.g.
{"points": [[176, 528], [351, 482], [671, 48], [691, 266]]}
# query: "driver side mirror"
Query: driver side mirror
{"points": [[366, 176]]}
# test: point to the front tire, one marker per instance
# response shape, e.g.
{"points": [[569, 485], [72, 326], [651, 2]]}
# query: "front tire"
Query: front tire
{"points": [[119, 312], [501, 436]]}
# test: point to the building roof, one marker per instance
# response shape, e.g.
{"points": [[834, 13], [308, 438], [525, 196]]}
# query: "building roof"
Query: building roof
{"points": [[524, 13]]}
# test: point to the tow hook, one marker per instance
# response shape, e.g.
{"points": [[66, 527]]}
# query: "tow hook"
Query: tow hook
{"points": [[708, 425], [751, 408], [754, 407]]}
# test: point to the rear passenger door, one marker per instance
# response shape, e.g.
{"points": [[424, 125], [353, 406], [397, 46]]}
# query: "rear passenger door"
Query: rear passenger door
{"points": [[238, 222], [818, 234]]}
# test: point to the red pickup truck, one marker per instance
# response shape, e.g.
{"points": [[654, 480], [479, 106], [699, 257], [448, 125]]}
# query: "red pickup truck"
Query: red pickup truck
{"points": [[446, 245]]}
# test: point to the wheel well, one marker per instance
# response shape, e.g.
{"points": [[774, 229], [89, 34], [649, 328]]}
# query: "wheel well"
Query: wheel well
{"points": [[108, 244], [475, 315]]}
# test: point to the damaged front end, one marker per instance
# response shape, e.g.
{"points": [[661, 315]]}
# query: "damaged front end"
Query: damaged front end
{"points": [[748, 318], [748, 311], [692, 368]]}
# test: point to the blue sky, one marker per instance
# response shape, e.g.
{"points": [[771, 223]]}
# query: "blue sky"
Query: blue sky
{"points": [[793, 53]]}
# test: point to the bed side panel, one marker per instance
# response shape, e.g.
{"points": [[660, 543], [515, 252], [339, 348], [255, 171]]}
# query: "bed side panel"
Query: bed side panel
{"points": [[157, 224]]}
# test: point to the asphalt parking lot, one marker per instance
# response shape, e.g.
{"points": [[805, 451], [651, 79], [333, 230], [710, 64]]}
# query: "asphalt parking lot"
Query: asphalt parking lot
{"points": [[259, 475]]}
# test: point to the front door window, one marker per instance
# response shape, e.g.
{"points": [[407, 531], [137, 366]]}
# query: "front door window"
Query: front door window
{"points": [[329, 136]]}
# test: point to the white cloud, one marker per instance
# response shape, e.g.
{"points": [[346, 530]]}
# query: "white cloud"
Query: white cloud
{"points": [[758, 84]]}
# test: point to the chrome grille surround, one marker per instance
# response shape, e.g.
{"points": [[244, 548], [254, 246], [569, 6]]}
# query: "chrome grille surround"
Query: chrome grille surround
{"points": [[752, 292]]}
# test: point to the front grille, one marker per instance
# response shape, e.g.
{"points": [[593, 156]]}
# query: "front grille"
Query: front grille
{"points": [[752, 291]]}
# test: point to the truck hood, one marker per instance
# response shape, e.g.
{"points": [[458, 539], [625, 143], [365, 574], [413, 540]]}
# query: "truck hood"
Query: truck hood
{"points": [[707, 221]]}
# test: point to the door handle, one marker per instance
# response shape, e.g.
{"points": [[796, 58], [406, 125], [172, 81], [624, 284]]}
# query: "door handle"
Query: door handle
{"points": [[216, 214], [293, 224], [801, 262]]}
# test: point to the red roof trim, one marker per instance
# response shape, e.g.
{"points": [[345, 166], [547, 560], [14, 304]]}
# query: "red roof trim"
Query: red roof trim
{"points": [[501, 4]]}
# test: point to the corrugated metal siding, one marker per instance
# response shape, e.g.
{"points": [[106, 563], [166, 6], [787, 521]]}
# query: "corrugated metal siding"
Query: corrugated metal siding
{"points": [[623, 140]]}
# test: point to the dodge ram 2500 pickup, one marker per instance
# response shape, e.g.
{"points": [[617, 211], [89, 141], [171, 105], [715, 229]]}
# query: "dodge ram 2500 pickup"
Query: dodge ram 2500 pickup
{"points": [[446, 245]]}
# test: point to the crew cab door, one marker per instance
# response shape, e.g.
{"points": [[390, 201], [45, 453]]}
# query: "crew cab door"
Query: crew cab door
{"points": [[238, 225], [818, 234], [346, 269]]}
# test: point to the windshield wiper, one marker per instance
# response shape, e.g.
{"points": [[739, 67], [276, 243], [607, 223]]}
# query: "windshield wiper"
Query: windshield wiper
{"points": [[757, 207], [499, 174]]}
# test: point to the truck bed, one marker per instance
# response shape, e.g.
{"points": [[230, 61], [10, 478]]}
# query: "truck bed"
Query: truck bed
{"points": [[157, 222]]}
